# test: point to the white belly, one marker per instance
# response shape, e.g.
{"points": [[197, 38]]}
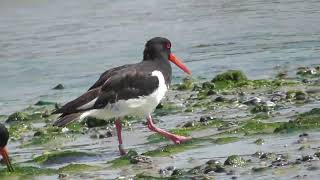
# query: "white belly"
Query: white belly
{"points": [[141, 106]]}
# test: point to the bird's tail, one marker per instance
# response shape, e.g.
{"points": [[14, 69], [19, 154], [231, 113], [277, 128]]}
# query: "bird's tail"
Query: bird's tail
{"points": [[66, 119]]}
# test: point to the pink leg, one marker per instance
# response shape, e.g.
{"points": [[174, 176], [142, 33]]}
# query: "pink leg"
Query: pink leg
{"points": [[119, 128], [175, 138]]}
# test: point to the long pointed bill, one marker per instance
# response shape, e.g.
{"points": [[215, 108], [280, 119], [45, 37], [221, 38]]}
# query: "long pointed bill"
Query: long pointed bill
{"points": [[179, 63], [5, 156]]}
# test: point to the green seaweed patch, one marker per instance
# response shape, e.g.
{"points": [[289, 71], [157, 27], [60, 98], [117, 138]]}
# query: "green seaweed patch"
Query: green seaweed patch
{"points": [[186, 131], [23, 171], [60, 156], [296, 95], [231, 75], [123, 160], [226, 140], [307, 120], [16, 130], [18, 117], [255, 126], [187, 84], [142, 176], [176, 148], [45, 136], [235, 161], [70, 168]]}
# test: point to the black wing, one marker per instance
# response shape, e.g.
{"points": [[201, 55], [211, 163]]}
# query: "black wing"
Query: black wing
{"points": [[124, 84], [106, 75]]}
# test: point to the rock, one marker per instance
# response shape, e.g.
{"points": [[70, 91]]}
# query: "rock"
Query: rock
{"points": [[101, 136], [159, 106], [296, 95], [203, 119], [177, 172], [253, 101], [58, 87], [269, 104], [208, 85], [259, 169], [304, 135], [189, 124], [220, 99], [307, 158], [140, 159], [109, 134], [278, 96], [211, 92], [317, 154], [64, 130], [18, 117], [235, 161], [38, 133], [44, 103], [63, 176], [93, 122], [259, 141], [280, 161], [213, 162]]}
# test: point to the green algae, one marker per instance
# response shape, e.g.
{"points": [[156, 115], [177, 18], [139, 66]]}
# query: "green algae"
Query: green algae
{"points": [[256, 126], [23, 171], [18, 117], [71, 168], [142, 176], [176, 148], [226, 140], [296, 95], [16, 130], [187, 84], [235, 161], [231, 75], [123, 160], [58, 156], [307, 120]]}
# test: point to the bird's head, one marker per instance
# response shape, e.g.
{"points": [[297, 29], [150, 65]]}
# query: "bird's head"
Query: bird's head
{"points": [[160, 48]]}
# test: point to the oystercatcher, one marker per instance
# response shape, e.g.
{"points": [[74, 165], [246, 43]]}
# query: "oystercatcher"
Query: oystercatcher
{"points": [[4, 137], [133, 89]]}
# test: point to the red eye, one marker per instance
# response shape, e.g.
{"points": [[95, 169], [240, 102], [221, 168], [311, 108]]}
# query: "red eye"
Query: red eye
{"points": [[168, 45]]}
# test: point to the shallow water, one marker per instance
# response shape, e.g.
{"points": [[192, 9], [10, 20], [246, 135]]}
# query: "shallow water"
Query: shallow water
{"points": [[44, 43]]}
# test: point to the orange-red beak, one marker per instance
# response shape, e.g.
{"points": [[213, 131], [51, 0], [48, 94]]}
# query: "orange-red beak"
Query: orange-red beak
{"points": [[179, 63], [5, 156]]}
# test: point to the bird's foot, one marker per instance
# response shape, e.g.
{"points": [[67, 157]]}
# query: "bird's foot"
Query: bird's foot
{"points": [[121, 150], [180, 139]]}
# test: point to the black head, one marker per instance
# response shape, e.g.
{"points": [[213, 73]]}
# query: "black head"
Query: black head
{"points": [[157, 47], [4, 137]]}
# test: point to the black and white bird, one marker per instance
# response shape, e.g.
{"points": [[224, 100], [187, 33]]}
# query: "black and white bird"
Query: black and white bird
{"points": [[132, 89], [4, 137]]}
